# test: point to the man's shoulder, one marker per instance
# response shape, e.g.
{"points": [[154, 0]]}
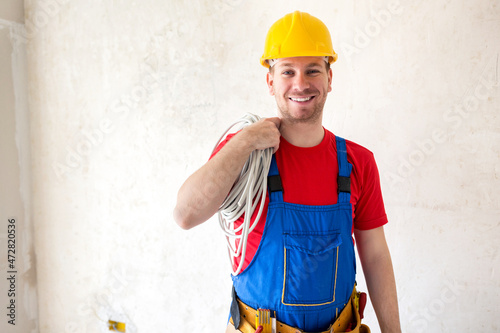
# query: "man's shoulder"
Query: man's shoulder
{"points": [[355, 150]]}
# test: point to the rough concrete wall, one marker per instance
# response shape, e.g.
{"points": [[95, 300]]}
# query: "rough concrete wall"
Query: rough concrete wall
{"points": [[127, 99], [17, 264]]}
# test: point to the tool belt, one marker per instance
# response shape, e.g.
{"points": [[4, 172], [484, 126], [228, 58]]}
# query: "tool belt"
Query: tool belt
{"points": [[349, 319]]}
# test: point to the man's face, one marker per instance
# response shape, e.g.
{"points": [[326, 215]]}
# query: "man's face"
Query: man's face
{"points": [[300, 86]]}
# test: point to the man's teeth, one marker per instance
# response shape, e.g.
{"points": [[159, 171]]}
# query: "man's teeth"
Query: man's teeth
{"points": [[300, 99]]}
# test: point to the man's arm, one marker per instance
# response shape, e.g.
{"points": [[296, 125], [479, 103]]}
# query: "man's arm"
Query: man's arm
{"points": [[204, 191], [377, 267]]}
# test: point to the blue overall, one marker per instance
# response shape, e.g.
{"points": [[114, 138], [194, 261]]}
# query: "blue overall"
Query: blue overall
{"points": [[304, 267]]}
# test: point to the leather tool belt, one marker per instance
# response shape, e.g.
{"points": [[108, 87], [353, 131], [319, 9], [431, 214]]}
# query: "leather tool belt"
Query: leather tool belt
{"points": [[348, 321]]}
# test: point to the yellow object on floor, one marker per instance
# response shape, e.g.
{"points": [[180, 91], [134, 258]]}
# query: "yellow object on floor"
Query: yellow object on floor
{"points": [[116, 326]]}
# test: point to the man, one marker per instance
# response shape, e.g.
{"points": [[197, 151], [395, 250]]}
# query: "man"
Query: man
{"points": [[300, 260]]}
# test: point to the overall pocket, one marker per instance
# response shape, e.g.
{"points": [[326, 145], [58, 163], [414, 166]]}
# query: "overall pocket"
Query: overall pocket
{"points": [[310, 268]]}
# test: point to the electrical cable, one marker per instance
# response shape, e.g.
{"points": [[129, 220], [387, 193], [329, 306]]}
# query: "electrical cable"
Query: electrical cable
{"points": [[249, 189]]}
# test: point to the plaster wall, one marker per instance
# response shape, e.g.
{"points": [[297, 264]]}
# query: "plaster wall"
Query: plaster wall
{"points": [[127, 99]]}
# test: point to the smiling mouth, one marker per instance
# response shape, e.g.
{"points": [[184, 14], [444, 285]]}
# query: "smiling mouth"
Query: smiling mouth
{"points": [[301, 99]]}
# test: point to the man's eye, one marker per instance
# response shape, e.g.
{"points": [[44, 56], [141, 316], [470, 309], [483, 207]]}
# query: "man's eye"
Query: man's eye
{"points": [[287, 72], [313, 71]]}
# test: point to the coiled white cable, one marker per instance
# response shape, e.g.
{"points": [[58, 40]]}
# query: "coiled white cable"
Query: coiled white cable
{"points": [[249, 189]]}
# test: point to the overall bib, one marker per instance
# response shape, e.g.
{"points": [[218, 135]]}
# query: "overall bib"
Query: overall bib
{"points": [[304, 267]]}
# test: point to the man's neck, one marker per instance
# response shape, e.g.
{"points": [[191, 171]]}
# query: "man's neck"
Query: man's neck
{"points": [[302, 134]]}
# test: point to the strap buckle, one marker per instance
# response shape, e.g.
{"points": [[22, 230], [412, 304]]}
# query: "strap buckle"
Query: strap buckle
{"points": [[343, 184], [274, 183]]}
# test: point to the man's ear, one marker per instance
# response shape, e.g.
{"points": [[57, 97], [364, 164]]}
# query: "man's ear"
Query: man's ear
{"points": [[330, 76], [270, 81]]}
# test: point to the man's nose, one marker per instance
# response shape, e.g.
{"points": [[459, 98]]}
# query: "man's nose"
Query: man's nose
{"points": [[301, 82]]}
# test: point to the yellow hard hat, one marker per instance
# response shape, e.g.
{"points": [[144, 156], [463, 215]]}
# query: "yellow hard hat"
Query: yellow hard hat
{"points": [[298, 34]]}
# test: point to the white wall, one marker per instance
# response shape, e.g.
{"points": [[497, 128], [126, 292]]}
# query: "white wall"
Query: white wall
{"points": [[127, 99], [17, 264]]}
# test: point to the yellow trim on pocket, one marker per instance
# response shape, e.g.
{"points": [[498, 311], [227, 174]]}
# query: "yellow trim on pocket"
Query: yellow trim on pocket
{"points": [[336, 268]]}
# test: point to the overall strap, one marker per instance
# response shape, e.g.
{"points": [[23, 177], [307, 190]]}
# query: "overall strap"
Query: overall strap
{"points": [[343, 180], [274, 182]]}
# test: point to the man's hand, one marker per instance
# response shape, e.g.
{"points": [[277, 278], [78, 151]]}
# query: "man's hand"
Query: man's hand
{"points": [[263, 134]]}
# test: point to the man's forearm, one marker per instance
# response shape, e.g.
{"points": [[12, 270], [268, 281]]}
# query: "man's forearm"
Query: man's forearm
{"points": [[377, 266], [383, 295], [204, 191]]}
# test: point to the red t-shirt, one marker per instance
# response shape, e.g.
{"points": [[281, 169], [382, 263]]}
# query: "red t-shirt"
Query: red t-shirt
{"points": [[309, 177]]}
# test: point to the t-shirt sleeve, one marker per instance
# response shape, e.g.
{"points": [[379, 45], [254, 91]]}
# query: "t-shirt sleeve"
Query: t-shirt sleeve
{"points": [[369, 210], [222, 144]]}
